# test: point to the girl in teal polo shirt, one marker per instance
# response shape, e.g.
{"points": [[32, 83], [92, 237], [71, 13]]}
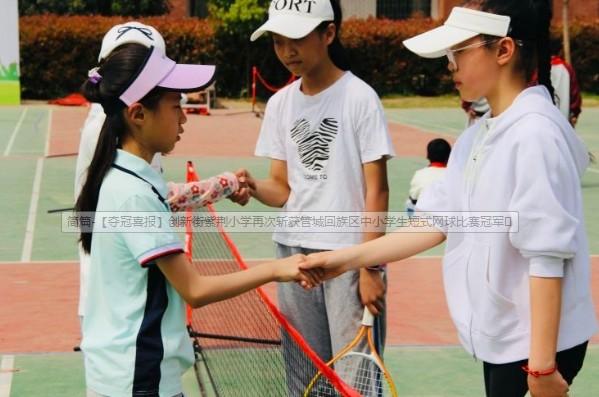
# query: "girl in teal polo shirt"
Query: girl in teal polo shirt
{"points": [[134, 336]]}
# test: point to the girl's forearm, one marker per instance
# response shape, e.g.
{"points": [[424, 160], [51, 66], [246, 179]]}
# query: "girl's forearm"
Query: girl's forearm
{"points": [[193, 195], [392, 247], [545, 307], [217, 288], [271, 192]]}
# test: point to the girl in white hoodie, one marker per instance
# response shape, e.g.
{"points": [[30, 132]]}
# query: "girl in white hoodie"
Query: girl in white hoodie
{"points": [[520, 298]]}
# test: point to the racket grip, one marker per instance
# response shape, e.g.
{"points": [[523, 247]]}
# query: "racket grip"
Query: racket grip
{"points": [[367, 318]]}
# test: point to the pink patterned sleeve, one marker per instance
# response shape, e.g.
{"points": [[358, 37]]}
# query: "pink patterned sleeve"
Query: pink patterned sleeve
{"points": [[192, 195]]}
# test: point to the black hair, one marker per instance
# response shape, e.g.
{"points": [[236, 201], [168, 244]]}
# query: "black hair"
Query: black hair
{"points": [[438, 151], [117, 72], [337, 52], [530, 22]]}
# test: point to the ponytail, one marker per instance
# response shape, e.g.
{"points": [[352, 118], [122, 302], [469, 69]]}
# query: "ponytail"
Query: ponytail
{"points": [[544, 15], [104, 155], [529, 22]]}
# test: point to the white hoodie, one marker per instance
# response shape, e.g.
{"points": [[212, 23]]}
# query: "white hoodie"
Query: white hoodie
{"points": [[530, 162]]}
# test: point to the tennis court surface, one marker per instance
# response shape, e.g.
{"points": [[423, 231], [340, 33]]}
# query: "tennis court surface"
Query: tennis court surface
{"points": [[39, 271]]}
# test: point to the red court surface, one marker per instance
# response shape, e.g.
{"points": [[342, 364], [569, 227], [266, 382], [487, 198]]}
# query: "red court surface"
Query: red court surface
{"points": [[225, 133], [39, 305], [66, 129]]}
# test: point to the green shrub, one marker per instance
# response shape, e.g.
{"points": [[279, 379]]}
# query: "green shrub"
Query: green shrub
{"points": [[233, 25], [379, 57], [585, 57], [102, 7], [57, 51]]}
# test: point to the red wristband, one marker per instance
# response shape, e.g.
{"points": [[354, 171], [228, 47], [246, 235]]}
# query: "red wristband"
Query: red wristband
{"points": [[537, 374]]}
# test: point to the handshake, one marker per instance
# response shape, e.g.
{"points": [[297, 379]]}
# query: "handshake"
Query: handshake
{"points": [[247, 187], [307, 270]]}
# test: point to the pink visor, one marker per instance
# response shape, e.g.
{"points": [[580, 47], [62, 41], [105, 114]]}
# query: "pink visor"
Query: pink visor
{"points": [[160, 71]]}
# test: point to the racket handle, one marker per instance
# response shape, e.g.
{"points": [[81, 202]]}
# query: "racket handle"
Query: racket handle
{"points": [[367, 318]]}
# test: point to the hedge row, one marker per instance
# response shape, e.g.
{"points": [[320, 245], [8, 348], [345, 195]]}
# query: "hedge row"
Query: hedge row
{"points": [[57, 51]]}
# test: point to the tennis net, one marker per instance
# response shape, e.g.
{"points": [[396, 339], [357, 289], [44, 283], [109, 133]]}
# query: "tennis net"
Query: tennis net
{"points": [[244, 346]]}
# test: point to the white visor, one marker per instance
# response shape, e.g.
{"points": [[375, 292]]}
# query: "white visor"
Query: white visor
{"points": [[160, 71], [131, 32], [462, 24]]}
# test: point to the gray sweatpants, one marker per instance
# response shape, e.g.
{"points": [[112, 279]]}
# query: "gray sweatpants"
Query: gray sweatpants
{"points": [[328, 317]]}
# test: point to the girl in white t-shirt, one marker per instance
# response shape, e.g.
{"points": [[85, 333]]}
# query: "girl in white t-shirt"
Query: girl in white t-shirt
{"points": [[517, 282], [327, 139]]}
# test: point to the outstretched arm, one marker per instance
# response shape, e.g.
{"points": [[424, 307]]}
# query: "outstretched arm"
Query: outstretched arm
{"points": [[371, 284], [272, 191], [192, 195], [198, 290], [394, 246]]}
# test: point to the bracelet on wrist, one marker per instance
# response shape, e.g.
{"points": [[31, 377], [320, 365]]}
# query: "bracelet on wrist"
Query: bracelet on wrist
{"points": [[538, 374]]}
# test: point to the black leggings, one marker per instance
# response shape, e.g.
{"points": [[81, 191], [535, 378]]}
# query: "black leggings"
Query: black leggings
{"points": [[509, 380]]}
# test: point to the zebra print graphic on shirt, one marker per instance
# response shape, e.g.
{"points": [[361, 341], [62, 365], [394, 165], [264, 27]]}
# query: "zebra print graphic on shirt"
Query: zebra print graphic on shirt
{"points": [[314, 146]]}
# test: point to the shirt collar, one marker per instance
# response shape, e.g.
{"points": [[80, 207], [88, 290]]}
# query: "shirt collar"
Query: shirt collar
{"points": [[142, 168]]}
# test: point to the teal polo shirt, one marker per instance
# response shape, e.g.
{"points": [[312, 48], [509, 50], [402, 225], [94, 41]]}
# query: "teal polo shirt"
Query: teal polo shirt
{"points": [[135, 341]]}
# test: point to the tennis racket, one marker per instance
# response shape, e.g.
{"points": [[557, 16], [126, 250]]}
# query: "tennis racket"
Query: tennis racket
{"points": [[364, 372]]}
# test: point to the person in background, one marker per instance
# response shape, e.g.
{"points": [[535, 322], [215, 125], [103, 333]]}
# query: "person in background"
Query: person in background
{"points": [[437, 153], [567, 92]]}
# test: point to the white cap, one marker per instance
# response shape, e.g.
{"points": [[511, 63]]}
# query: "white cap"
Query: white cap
{"points": [[131, 32], [462, 24], [295, 18]]}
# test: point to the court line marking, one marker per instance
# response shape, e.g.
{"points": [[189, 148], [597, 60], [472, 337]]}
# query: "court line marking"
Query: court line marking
{"points": [[35, 196], [6, 371], [48, 132], [50, 262], [596, 171], [13, 136], [401, 117]]}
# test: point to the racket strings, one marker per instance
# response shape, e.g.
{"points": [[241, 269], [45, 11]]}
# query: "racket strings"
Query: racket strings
{"points": [[359, 372]]}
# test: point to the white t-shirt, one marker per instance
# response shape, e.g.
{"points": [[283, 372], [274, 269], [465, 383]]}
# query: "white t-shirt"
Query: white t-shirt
{"points": [[325, 140], [423, 178], [87, 146], [560, 80]]}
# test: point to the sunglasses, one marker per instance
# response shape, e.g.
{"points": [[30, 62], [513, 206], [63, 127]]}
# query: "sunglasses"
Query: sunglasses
{"points": [[451, 53]]}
